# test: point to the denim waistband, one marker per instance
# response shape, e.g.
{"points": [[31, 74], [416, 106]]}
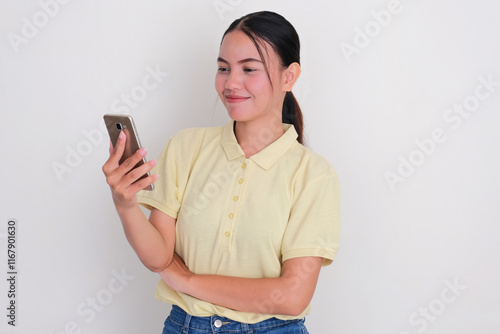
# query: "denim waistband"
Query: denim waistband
{"points": [[217, 323]]}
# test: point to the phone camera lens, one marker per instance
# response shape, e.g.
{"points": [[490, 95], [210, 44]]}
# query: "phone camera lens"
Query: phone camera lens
{"points": [[119, 126]]}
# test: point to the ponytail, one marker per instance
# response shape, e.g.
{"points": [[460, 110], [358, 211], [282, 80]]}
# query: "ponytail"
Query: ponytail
{"points": [[293, 115]]}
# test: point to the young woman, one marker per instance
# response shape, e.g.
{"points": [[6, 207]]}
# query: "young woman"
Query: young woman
{"points": [[243, 216]]}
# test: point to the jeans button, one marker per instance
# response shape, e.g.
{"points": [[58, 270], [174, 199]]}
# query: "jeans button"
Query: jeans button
{"points": [[218, 323]]}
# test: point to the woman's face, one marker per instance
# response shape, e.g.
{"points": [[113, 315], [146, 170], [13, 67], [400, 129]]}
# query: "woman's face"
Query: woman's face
{"points": [[242, 81]]}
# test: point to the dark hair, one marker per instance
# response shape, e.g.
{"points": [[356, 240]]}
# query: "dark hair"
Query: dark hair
{"points": [[275, 30]]}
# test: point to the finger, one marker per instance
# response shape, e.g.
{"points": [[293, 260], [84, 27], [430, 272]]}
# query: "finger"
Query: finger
{"points": [[123, 177], [109, 166], [115, 154], [131, 162], [119, 148], [138, 172], [141, 184]]}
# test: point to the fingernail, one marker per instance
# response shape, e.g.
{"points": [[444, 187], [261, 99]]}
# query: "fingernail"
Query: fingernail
{"points": [[143, 151], [153, 162], [122, 135]]}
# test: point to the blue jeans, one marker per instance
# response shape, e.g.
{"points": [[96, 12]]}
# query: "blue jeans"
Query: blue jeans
{"points": [[179, 322]]}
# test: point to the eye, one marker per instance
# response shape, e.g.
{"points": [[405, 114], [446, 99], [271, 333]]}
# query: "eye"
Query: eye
{"points": [[250, 69], [223, 69]]}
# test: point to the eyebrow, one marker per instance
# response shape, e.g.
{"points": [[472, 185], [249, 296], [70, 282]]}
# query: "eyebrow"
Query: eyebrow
{"points": [[246, 60]]}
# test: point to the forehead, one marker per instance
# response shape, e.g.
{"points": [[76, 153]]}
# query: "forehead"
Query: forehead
{"points": [[237, 45]]}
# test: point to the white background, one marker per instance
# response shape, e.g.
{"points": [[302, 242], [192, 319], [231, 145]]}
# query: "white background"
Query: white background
{"points": [[401, 246]]}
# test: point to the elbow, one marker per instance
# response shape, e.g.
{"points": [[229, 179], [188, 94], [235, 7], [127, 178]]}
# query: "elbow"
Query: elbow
{"points": [[296, 306], [159, 266], [156, 269], [295, 310]]}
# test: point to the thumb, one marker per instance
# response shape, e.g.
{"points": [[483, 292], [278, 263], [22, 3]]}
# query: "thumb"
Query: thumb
{"points": [[111, 148]]}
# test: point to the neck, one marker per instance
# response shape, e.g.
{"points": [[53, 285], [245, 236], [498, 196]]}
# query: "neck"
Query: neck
{"points": [[254, 137]]}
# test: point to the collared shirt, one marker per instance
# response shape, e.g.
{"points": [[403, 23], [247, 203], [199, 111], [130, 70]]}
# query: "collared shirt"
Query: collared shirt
{"points": [[243, 217]]}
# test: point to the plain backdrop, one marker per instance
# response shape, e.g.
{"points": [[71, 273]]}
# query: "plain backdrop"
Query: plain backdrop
{"points": [[402, 97]]}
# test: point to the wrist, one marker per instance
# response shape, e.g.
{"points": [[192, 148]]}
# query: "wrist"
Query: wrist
{"points": [[122, 207]]}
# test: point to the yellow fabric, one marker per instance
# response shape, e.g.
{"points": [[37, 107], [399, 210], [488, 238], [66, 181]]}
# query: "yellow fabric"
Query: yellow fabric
{"points": [[240, 216]]}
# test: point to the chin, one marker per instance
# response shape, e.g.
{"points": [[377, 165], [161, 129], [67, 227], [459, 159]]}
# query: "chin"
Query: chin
{"points": [[238, 115]]}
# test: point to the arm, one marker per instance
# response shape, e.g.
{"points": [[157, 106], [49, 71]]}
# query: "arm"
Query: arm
{"points": [[288, 294], [153, 240]]}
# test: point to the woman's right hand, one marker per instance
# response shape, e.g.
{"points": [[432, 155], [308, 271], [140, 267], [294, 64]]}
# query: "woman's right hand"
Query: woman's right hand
{"points": [[122, 178]]}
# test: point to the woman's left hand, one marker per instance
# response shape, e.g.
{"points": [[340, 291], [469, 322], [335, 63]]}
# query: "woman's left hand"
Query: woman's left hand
{"points": [[177, 274]]}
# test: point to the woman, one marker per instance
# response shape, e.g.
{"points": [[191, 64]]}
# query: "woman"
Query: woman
{"points": [[243, 216]]}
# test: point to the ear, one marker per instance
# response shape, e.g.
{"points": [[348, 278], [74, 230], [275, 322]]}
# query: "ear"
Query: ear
{"points": [[290, 76]]}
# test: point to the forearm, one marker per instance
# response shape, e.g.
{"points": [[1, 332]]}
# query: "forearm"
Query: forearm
{"points": [[288, 294], [148, 243], [255, 295]]}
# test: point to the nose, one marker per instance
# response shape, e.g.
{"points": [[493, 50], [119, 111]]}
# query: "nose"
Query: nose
{"points": [[233, 81]]}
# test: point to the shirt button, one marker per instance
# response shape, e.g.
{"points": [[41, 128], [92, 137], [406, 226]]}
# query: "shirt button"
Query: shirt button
{"points": [[218, 323], [240, 181], [244, 166], [227, 234], [235, 198], [231, 215]]}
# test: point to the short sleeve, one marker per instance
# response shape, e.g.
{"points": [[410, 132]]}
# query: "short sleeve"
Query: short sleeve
{"points": [[168, 189], [314, 225]]}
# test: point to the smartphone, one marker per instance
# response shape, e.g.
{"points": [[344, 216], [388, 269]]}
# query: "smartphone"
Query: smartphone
{"points": [[125, 123]]}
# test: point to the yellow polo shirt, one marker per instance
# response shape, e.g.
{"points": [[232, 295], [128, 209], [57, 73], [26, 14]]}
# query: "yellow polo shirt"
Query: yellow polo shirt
{"points": [[240, 216]]}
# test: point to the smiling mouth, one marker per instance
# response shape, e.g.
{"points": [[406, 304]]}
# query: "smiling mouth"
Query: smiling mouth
{"points": [[236, 98]]}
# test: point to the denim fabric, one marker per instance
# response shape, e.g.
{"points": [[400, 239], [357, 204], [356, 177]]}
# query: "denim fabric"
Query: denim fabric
{"points": [[179, 322]]}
